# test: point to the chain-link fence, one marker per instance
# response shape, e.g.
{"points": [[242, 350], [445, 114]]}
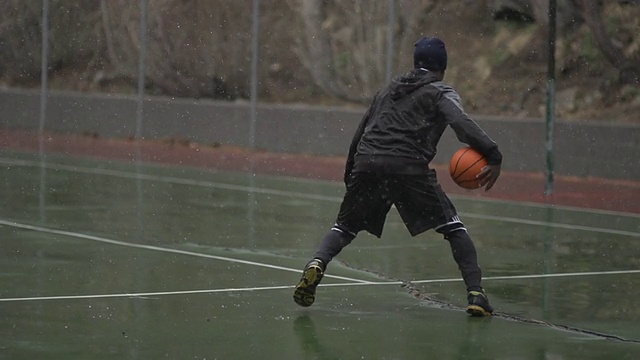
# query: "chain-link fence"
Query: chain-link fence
{"points": [[201, 49], [251, 53]]}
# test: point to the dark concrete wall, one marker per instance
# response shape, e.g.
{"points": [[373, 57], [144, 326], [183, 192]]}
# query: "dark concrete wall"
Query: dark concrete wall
{"points": [[581, 148]]}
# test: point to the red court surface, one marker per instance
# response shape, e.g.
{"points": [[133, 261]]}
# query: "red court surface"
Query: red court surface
{"points": [[592, 193]]}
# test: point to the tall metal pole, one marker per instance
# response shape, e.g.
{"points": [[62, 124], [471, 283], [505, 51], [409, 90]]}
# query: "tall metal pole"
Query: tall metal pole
{"points": [[141, 66], [142, 71], [44, 65], [44, 93], [551, 94], [254, 74], [251, 210], [390, 38]]}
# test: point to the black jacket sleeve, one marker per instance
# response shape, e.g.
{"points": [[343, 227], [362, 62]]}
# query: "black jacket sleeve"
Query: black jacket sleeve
{"points": [[467, 130]]}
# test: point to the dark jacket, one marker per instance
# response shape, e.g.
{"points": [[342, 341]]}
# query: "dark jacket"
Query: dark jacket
{"points": [[401, 129]]}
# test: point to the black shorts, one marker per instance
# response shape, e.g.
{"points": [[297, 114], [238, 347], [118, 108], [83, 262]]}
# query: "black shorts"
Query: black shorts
{"points": [[420, 200]]}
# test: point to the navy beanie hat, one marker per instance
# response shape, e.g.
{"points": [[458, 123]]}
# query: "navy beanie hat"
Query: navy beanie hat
{"points": [[430, 53]]}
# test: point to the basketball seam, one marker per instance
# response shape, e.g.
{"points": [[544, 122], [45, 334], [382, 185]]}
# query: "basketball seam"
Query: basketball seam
{"points": [[468, 167], [455, 169]]}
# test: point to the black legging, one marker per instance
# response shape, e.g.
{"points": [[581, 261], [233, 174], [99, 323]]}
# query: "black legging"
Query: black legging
{"points": [[462, 248], [465, 255]]}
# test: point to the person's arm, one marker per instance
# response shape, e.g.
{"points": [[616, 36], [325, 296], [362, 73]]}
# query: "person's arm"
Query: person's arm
{"points": [[468, 132]]}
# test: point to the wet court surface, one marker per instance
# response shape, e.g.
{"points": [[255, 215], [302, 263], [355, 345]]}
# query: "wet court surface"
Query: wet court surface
{"points": [[108, 260]]}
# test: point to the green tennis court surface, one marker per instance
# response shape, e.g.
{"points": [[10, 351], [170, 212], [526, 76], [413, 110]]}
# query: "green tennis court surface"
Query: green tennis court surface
{"points": [[111, 260]]}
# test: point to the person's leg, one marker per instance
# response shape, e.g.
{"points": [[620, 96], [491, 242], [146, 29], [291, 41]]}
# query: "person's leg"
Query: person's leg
{"points": [[364, 207], [423, 205], [332, 243], [330, 246], [465, 255]]}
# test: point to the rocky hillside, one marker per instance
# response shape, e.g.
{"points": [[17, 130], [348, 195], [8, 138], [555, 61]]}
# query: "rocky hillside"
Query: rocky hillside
{"points": [[498, 51], [509, 60]]}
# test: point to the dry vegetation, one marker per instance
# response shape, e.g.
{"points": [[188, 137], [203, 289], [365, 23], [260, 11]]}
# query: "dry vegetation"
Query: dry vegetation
{"points": [[333, 52]]}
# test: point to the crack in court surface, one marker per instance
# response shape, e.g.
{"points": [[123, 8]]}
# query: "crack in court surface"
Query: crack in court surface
{"points": [[431, 302], [409, 286]]}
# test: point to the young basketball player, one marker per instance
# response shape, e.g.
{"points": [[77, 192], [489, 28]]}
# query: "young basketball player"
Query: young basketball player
{"points": [[388, 164]]}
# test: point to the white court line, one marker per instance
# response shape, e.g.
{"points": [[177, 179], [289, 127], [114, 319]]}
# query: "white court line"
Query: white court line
{"points": [[187, 292], [141, 295], [554, 225], [539, 276], [264, 288], [124, 174], [161, 249], [209, 184], [173, 180], [355, 282]]}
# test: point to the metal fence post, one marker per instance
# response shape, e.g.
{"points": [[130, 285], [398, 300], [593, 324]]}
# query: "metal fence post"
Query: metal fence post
{"points": [[254, 74], [551, 93]]}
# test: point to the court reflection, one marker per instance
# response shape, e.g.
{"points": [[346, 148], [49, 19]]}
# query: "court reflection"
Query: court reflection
{"points": [[305, 331]]}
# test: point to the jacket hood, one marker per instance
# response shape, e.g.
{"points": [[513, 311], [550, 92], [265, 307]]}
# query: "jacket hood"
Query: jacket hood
{"points": [[409, 82]]}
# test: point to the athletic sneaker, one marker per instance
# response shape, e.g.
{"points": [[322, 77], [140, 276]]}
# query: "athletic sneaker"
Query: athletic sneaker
{"points": [[305, 293], [478, 304]]}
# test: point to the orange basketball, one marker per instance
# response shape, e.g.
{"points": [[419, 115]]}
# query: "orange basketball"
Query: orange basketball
{"points": [[465, 165]]}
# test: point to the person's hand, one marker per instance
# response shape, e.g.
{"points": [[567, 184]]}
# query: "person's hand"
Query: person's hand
{"points": [[488, 176]]}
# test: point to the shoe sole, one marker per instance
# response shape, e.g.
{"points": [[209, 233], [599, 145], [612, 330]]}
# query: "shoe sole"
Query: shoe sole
{"points": [[477, 311], [305, 293]]}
